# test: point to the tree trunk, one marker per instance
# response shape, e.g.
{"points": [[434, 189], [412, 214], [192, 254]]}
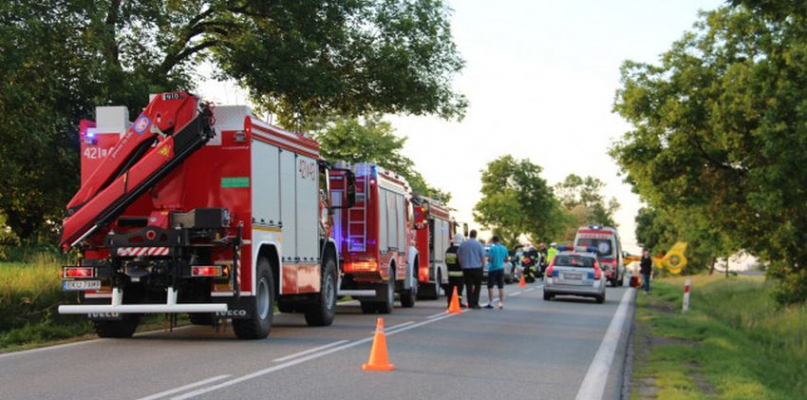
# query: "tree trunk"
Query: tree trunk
{"points": [[712, 269]]}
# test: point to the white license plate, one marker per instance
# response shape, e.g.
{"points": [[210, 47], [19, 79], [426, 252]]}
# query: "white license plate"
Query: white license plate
{"points": [[573, 277], [70, 286]]}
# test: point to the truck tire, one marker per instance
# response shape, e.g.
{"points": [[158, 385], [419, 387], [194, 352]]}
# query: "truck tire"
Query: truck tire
{"points": [[409, 296], [368, 307], [258, 325], [323, 311], [124, 328], [385, 306]]}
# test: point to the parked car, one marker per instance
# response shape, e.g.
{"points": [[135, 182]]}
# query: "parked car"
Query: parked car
{"points": [[576, 274]]}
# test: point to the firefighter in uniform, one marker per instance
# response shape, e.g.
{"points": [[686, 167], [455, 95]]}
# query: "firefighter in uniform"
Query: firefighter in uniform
{"points": [[455, 276]]}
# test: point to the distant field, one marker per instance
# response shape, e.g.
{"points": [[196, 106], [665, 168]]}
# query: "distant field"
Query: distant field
{"points": [[732, 344]]}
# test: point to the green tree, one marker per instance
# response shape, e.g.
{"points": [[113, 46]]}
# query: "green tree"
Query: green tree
{"points": [[373, 140], [584, 204], [61, 58], [658, 230], [516, 201], [720, 132]]}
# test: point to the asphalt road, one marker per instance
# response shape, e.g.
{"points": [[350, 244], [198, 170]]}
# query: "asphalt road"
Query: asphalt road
{"points": [[531, 349]]}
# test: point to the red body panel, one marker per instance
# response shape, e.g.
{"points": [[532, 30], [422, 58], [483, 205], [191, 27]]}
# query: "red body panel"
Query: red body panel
{"points": [[424, 214], [198, 182], [372, 263]]}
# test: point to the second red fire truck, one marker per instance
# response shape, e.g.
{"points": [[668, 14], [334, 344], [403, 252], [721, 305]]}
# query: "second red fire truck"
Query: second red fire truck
{"points": [[375, 240]]}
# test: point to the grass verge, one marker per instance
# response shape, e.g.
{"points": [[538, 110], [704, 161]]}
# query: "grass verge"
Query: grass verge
{"points": [[30, 293], [732, 344]]}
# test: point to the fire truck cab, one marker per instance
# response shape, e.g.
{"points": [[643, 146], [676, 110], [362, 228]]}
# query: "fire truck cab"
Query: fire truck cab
{"points": [[197, 210], [374, 238]]}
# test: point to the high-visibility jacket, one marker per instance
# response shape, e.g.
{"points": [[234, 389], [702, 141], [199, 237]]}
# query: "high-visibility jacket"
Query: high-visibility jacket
{"points": [[453, 262], [550, 254]]}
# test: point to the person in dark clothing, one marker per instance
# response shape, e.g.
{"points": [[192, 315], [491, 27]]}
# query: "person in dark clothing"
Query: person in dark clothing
{"points": [[646, 268], [455, 276], [530, 262], [544, 257]]}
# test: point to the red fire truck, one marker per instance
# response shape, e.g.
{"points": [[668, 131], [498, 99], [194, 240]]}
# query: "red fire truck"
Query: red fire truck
{"points": [[374, 238], [203, 211], [434, 235]]}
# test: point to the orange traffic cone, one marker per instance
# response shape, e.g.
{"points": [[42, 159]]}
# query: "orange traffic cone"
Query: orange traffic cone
{"points": [[454, 307], [522, 282], [378, 353]]}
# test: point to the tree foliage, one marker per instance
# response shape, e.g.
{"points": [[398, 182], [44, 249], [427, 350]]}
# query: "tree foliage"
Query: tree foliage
{"points": [[517, 201], [61, 58], [584, 204], [373, 140], [720, 133]]}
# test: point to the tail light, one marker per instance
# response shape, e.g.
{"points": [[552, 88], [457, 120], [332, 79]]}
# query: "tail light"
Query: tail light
{"points": [[423, 274], [78, 272], [550, 270], [364, 266], [597, 272], [207, 271]]}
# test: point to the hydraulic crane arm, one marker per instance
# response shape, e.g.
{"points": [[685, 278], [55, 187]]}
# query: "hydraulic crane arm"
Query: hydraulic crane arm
{"points": [[170, 129]]}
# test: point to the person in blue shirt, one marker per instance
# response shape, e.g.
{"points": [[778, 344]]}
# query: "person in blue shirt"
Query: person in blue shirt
{"points": [[497, 256], [472, 258]]}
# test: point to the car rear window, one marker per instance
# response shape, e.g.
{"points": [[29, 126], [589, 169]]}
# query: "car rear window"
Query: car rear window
{"points": [[562, 260]]}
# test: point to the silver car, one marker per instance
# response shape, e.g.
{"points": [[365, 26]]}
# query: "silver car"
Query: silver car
{"points": [[576, 274]]}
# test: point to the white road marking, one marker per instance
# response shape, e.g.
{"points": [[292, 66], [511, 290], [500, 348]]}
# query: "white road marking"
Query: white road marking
{"points": [[528, 290], [186, 387], [100, 340], [514, 294], [436, 315], [299, 360], [387, 330], [315, 349], [593, 386]]}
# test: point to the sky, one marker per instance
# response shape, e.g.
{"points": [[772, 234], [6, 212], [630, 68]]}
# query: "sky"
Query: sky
{"points": [[540, 77]]}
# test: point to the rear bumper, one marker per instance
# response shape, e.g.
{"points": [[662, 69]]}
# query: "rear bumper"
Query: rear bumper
{"points": [[596, 290], [170, 307]]}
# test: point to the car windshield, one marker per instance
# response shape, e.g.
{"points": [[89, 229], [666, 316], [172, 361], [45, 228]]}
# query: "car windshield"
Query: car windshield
{"points": [[604, 248], [571, 260]]}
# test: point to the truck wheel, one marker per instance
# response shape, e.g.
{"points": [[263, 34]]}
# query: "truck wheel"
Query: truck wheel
{"points": [[621, 280], [258, 324], [322, 312], [367, 307], [409, 296], [601, 299], [385, 307], [124, 328], [547, 296]]}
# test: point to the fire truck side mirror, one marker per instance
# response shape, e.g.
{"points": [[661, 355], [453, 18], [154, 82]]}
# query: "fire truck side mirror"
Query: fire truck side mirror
{"points": [[350, 190]]}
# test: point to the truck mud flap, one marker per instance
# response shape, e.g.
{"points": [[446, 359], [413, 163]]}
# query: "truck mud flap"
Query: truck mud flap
{"points": [[241, 308]]}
